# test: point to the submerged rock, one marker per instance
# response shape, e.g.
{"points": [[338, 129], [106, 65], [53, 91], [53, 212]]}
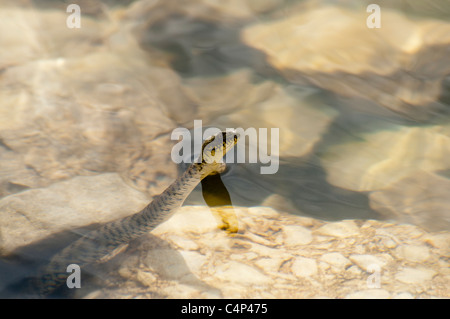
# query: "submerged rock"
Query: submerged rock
{"points": [[415, 276], [373, 161], [36, 214], [421, 198], [343, 229], [393, 66], [15, 175], [254, 264], [84, 101], [189, 256], [32, 35]]}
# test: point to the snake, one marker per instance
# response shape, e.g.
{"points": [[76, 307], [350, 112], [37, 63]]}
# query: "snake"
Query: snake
{"points": [[110, 236]]}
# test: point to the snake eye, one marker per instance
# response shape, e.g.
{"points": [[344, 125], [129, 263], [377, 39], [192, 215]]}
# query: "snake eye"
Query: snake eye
{"points": [[213, 151]]}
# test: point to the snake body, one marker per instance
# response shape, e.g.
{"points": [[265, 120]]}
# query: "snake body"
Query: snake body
{"points": [[99, 243]]}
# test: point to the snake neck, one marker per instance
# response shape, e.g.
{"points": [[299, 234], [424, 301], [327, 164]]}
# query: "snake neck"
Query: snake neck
{"points": [[176, 193], [164, 205]]}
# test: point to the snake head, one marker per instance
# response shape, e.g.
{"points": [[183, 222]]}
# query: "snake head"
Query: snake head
{"points": [[215, 147]]}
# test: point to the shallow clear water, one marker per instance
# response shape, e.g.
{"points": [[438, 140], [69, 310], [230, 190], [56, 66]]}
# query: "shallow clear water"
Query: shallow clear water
{"points": [[362, 113]]}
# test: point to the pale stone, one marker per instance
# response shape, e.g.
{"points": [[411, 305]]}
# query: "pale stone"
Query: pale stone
{"points": [[181, 291], [369, 294], [193, 260], [421, 198], [296, 235], [308, 27], [387, 258], [267, 212], [304, 267], [15, 176], [413, 252], [336, 259], [330, 60], [240, 273], [88, 92], [445, 266], [168, 263], [415, 275], [96, 294], [342, 229], [128, 267], [243, 257], [211, 294], [269, 264], [276, 269], [325, 266], [260, 240], [353, 271], [403, 295], [399, 230], [440, 241], [367, 262], [234, 266], [400, 153], [389, 243], [192, 220], [183, 242], [42, 38], [265, 251], [216, 241], [157, 262], [146, 278], [34, 214]]}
